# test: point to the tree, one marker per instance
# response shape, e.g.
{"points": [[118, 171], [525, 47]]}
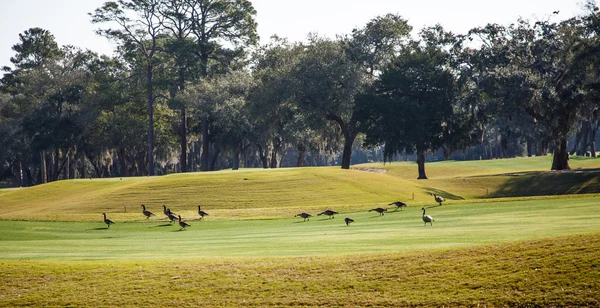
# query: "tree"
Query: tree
{"points": [[214, 22], [140, 35], [411, 107], [326, 81]]}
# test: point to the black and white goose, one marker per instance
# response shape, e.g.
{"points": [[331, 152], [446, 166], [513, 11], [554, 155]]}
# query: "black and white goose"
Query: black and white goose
{"points": [[182, 223], [427, 218], [201, 212], [399, 204], [306, 216], [146, 212], [172, 216], [348, 220], [378, 210], [438, 199], [107, 221], [329, 213]]}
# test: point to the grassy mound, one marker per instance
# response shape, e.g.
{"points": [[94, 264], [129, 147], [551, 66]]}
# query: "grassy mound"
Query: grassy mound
{"points": [[260, 194]]}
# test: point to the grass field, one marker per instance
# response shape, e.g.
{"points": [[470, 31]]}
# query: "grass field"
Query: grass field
{"points": [[532, 239]]}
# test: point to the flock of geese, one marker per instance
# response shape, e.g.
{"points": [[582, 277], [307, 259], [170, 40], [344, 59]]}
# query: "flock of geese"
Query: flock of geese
{"points": [[170, 215], [173, 217], [380, 210]]}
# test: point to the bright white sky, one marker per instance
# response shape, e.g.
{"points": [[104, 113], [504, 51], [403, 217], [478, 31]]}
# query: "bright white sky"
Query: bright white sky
{"points": [[68, 21]]}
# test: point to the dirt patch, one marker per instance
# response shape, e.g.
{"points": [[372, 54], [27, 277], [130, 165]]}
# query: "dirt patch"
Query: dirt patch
{"points": [[376, 170]]}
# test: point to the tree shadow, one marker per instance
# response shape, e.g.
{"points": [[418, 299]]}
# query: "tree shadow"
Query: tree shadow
{"points": [[538, 183], [446, 195]]}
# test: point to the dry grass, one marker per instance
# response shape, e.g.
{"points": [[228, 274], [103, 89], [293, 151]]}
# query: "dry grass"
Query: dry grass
{"points": [[557, 272]]}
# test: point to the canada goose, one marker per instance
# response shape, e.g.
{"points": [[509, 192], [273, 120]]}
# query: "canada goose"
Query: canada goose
{"points": [[304, 215], [427, 218], [172, 216], [146, 213], [438, 199], [329, 213], [378, 210], [399, 204], [165, 211], [201, 213], [348, 221], [107, 221], [182, 223]]}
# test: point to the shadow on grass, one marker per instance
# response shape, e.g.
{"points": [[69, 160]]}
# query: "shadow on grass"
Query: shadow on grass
{"points": [[163, 225], [532, 183], [446, 195], [301, 221], [100, 228]]}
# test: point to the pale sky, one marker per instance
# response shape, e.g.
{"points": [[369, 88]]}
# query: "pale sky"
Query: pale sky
{"points": [[68, 21]]}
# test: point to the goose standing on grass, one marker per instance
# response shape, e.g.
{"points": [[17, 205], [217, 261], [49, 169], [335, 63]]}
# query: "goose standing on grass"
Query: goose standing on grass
{"points": [[304, 215], [182, 223], [201, 213], [438, 199], [427, 218], [348, 220], [378, 210], [165, 210], [329, 213], [107, 221], [146, 213], [172, 216], [399, 204]]}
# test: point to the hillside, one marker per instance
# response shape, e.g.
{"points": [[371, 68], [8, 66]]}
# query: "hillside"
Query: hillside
{"points": [[260, 193]]}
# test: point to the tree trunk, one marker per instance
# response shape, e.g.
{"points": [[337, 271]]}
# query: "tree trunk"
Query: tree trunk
{"points": [[43, 166], [274, 154], [236, 160], [263, 157], [301, 151], [123, 162], [561, 155], [150, 94], [347, 154], [529, 147], [204, 166], [82, 174], [68, 167], [183, 124], [213, 162], [482, 143], [576, 144], [421, 165]]}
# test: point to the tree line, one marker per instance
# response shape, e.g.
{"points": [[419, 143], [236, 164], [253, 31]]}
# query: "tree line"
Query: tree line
{"points": [[189, 89]]}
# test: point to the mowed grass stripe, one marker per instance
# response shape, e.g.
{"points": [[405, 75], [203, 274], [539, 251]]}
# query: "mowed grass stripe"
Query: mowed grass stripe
{"points": [[455, 226], [558, 272]]}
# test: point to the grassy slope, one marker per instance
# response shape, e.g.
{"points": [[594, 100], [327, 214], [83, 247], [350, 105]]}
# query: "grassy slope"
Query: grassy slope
{"points": [[245, 193], [283, 193], [499, 177]]}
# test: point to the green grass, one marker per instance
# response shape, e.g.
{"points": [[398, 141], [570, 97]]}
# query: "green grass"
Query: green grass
{"points": [[455, 226], [551, 272], [511, 234]]}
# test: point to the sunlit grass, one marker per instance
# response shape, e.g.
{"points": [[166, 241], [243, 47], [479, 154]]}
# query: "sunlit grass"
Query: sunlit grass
{"points": [[455, 225], [510, 234], [549, 272]]}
